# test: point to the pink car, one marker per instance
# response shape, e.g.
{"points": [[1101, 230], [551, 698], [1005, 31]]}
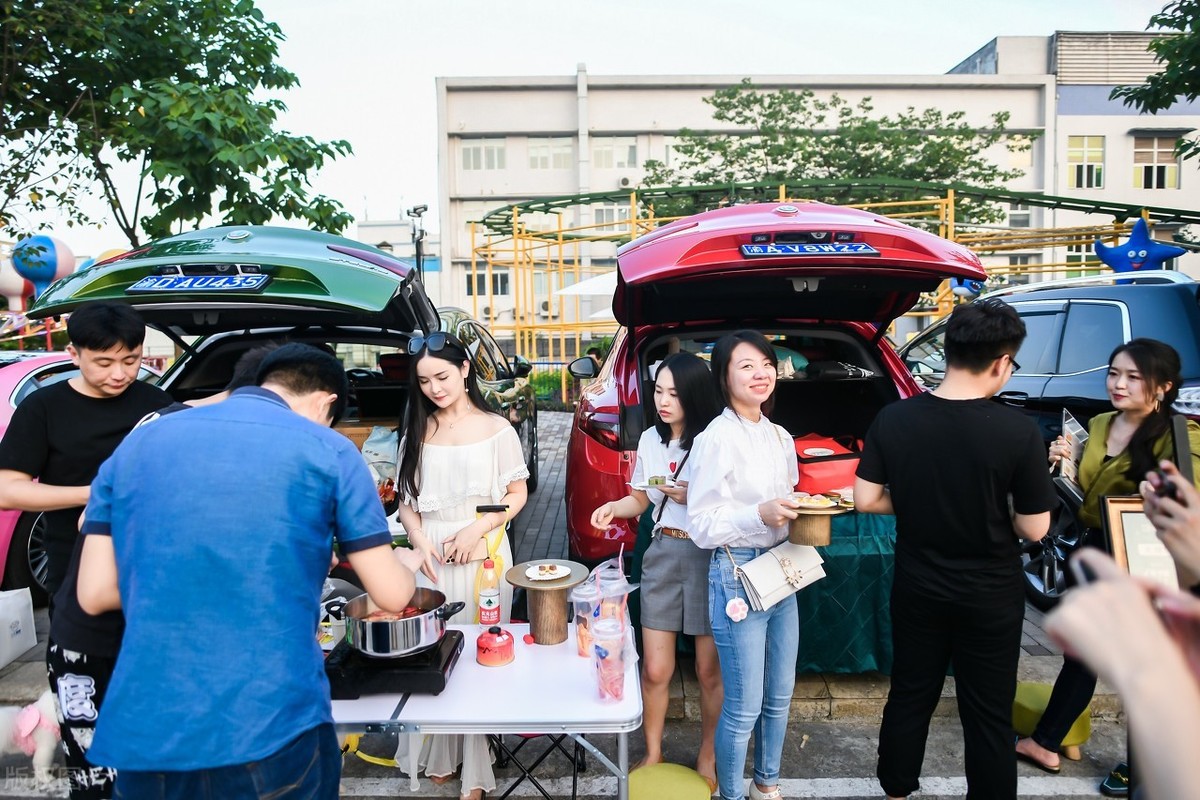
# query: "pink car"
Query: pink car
{"points": [[22, 551]]}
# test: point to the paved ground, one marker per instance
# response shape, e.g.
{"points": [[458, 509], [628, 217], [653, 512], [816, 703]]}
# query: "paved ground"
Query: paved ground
{"points": [[830, 747]]}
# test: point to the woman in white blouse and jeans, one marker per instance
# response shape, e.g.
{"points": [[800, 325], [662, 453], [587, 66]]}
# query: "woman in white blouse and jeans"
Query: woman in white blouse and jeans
{"points": [[742, 471]]}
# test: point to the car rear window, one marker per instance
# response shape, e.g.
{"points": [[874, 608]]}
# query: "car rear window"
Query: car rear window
{"points": [[1092, 332]]}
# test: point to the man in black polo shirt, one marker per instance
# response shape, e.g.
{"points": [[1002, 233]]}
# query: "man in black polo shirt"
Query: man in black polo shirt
{"points": [[947, 464], [60, 435]]}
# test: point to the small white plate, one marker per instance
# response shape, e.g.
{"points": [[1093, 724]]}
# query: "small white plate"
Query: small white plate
{"points": [[534, 573], [817, 452], [645, 487]]}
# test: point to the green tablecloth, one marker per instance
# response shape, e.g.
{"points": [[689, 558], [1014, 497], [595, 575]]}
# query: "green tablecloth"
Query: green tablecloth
{"points": [[845, 619]]}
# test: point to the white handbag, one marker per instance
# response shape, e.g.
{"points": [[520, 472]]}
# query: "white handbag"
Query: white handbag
{"points": [[778, 573]]}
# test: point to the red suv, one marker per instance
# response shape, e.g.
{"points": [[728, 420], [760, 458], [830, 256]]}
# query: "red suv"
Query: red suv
{"points": [[822, 282]]}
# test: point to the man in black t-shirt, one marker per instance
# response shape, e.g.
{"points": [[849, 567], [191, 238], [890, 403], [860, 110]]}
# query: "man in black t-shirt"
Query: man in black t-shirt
{"points": [[59, 436], [57, 440], [947, 464]]}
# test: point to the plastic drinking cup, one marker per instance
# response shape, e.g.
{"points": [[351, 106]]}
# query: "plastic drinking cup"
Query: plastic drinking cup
{"points": [[608, 658], [586, 602]]}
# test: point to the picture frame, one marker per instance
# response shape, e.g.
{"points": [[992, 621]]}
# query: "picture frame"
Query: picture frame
{"points": [[1135, 544]]}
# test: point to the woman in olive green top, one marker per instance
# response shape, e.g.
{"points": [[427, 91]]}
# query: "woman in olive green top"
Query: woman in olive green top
{"points": [[1122, 446]]}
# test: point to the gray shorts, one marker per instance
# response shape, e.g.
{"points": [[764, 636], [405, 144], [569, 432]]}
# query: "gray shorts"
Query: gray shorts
{"points": [[674, 586]]}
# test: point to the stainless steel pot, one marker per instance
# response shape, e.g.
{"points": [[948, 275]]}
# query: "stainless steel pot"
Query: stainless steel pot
{"points": [[400, 637]]}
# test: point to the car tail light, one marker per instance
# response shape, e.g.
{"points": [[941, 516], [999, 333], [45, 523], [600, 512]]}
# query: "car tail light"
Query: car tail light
{"points": [[604, 428], [1188, 401]]}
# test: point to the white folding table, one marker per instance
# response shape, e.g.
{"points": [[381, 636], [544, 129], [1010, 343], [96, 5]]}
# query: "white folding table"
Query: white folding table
{"points": [[546, 689]]}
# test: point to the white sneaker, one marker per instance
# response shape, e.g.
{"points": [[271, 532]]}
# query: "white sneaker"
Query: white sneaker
{"points": [[757, 794]]}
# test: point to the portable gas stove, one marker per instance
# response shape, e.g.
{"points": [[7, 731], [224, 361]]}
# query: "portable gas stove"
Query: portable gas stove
{"points": [[352, 674]]}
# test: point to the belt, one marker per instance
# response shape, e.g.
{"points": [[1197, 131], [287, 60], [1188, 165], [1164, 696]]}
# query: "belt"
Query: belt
{"points": [[674, 533]]}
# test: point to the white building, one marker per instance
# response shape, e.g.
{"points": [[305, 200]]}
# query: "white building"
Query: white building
{"points": [[512, 139]]}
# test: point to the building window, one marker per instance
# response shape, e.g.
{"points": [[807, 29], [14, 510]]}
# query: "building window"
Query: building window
{"points": [[473, 211], [1085, 158], [551, 153], [1082, 260], [1020, 151], [477, 283], [540, 221], [480, 154], [614, 152], [671, 157], [610, 217], [1018, 215], [1155, 165]]}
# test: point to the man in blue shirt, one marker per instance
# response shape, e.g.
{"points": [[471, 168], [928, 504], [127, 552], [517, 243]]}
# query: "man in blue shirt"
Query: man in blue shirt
{"points": [[213, 531]]}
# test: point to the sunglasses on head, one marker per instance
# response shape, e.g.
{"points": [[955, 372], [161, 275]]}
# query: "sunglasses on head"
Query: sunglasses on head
{"points": [[434, 342]]}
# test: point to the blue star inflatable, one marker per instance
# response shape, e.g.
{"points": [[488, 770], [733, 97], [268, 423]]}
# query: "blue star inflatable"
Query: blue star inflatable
{"points": [[1140, 252]]}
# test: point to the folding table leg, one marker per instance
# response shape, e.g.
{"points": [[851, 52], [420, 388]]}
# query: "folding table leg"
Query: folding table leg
{"points": [[526, 772]]}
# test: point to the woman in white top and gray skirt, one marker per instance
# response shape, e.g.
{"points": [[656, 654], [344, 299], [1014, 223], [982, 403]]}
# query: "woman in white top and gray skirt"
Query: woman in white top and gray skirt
{"points": [[742, 473], [674, 585]]}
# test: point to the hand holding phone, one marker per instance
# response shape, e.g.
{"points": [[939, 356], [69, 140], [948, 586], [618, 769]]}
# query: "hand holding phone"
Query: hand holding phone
{"points": [[1165, 487]]}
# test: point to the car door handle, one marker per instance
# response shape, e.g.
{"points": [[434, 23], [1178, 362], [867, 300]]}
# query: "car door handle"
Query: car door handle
{"points": [[1013, 398]]}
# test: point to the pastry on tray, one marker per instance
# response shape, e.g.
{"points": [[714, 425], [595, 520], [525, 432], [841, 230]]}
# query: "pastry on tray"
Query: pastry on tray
{"points": [[546, 572], [814, 501]]}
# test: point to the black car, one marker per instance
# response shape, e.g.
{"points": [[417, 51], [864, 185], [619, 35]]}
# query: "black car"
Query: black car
{"points": [[1073, 327]]}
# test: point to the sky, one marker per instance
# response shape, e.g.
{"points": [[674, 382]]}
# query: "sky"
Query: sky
{"points": [[367, 67]]}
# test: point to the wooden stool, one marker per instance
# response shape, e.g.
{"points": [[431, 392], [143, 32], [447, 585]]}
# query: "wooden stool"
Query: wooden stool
{"points": [[1030, 703], [667, 782]]}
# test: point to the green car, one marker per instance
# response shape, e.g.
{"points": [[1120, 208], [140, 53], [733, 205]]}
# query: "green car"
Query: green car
{"points": [[221, 291]]}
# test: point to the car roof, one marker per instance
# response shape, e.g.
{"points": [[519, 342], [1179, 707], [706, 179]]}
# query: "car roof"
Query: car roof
{"points": [[1104, 285]]}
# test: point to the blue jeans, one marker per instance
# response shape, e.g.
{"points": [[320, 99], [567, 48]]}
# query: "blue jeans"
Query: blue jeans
{"points": [[307, 768], [758, 668]]}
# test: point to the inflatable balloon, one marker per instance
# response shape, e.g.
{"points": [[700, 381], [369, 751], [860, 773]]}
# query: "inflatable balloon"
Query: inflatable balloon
{"points": [[87, 262], [41, 260], [962, 287], [1140, 252], [112, 252], [13, 287]]}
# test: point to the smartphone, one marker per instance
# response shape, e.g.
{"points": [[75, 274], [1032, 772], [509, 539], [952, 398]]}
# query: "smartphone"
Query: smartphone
{"points": [[1183, 451], [1182, 458], [1165, 487]]}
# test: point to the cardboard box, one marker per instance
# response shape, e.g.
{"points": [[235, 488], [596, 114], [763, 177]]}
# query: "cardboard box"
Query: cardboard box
{"points": [[16, 625], [357, 430]]}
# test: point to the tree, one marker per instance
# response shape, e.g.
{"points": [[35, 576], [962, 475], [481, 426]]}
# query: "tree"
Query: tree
{"points": [[181, 90], [1179, 56], [789, 136]]}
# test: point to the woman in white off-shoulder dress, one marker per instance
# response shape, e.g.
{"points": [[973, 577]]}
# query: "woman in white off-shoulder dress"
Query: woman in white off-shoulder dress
{"points": [[455, 455]]}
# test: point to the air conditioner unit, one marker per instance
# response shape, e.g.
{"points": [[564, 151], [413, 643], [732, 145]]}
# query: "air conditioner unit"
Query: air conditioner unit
{"points": [[485, 312], [546, 310], [624, 183]]}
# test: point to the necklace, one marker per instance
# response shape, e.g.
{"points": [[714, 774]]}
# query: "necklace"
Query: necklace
{"points": [[470, 410], [745, 419]]}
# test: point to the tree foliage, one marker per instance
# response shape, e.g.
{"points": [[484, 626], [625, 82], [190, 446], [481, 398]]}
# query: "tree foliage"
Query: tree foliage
{"points": [[786, 136], [1179, 56], [178, 89]]}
